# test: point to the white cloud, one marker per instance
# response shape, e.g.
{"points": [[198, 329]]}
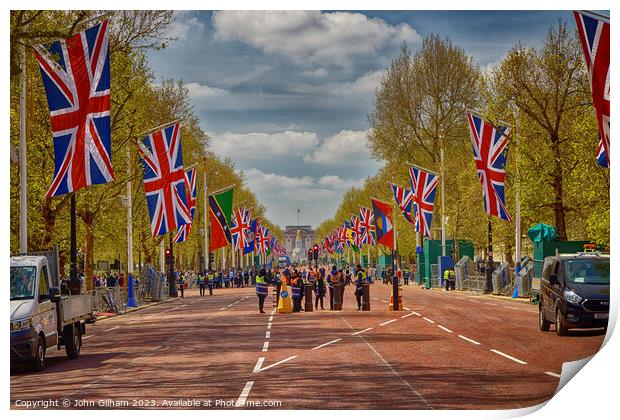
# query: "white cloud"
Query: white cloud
{"points": [[347, 147], [362, 85], [255, 146], [183, 23], [259, 180], [317, 73], [196, 90], [339, 183], [331, 37]]}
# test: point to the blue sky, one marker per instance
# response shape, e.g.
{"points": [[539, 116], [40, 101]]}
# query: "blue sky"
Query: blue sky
{"points": [[287, 95]]}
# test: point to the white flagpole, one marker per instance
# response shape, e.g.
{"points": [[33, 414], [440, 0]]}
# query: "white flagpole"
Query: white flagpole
{"points": [[129, 219], [443, 219], [223, 258], [23, 183], [518, 205], [162, 257]]}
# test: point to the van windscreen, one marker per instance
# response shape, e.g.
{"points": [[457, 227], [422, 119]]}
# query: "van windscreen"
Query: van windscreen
{"points": [[584, 271]]}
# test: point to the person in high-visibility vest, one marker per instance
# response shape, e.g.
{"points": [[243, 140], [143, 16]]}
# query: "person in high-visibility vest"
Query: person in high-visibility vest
{"points": [[201, 283], [331, 280], [210, 281], [296, 291], [446, 278], [359, 281], [262, 289]]}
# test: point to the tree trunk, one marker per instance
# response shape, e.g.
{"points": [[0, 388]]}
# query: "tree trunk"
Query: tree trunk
{"points": [[88, 218], [558, 192]]}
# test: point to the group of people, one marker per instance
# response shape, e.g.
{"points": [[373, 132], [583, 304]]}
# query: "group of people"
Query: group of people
{"points": [[321, 279]]}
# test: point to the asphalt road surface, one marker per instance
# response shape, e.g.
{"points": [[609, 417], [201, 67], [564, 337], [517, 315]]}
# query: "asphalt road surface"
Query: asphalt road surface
{"points": [[446, 350]]}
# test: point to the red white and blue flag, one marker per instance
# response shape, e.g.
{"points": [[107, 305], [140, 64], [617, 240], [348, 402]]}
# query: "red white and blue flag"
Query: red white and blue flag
{"points": [[594, 34], [404, 200], [384, 223], [367, 224], [489, 146], [240, 229], [164, 179], [262, 239], [77, 85], [356, 229], [184, 230], [424, 187]]}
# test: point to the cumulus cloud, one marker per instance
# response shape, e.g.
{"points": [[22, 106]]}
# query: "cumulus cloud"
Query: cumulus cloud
{"points": [[346, 147], [261, 145], [331, 37], [183, 23], [317, 73], [364, 84], [196, 90], [260, 180]]}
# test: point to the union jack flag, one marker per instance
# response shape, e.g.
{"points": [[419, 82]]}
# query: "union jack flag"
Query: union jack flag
{"points": [[164, 179], [262, 239], [367, 223], [240, 227], [594, 33], [489, 145], [404, 199], [424, 187], [190, 185], [341, 235], [601, 156], [356, 229], [77, 85]]}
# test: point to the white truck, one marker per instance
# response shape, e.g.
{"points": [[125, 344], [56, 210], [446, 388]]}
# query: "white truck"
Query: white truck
{"points": [[40, 316]]}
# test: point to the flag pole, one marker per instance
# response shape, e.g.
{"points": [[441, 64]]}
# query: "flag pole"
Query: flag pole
{"points": [[131, 300], [443, 190], [518, 203], [23, 173], [206, 209]]}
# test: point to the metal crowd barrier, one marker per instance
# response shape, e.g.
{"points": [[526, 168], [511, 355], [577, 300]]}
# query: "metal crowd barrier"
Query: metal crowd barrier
{"points": [[475, 283], [110, 299], [435, 280]]}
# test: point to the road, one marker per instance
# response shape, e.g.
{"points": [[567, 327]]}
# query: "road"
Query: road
{"points": [[447, 350]]}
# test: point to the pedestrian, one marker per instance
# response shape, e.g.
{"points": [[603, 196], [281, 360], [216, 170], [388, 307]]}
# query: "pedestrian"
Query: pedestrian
{"points": [[342, 283], [246, 278], [262, 289], [296, 291], [182, 283], [347, 276], [359, 290], [201, 283], [332, 279], [210, 281], [446, 278], [319, 288], [452, 279]]}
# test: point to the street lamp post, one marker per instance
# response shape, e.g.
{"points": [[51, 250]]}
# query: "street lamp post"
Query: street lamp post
{"points": [[442, 135]]}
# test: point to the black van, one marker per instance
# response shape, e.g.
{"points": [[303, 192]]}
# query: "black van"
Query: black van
{"points": [[574, 292]]}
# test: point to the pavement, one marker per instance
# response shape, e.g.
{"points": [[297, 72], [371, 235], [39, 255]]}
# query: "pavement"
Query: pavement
{"points": [[446, 350]]}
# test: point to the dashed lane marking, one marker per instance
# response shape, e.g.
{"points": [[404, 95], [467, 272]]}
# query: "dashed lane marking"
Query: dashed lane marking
{"points": [[87, 336], [258, 368], [469, 339], [113, 328], [266, 346], [510, 307], [327, 344], [507, 356], [406, 309], [384, 301], [244, 394], [415, 313], [268, 334], [429, 320], [133, 322], [388, 322], [491, 304], [405, 316], [444, 328], [362, 331], [555, 375], [392, 369], [269, 325], [271, 318]]}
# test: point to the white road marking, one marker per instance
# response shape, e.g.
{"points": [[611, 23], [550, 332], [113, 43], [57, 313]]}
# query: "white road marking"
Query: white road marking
{"points": [[384, 301], [429, 320], [415, 313], [269, 326], [327, 344], [133, 322], [244, 394], [469, 339], [406, 309], [555, 375], [507, 356], [489, 303], [388, 322], [375, 299], [268, 334], [405, 316], [362, 331], [266, 346], [113, 328], [222, 308], [472, 300], [86, 336], [271, 318], [275, 364], [510, 307], [392, 369], [444, 328], [259, 364]]}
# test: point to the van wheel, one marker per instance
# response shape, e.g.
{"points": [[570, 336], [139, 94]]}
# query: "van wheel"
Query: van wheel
{"points": [[38, 363], [543, 324], [560, 328], [73, 341]]}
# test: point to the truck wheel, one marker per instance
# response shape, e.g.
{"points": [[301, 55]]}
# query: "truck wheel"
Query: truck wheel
{"points": [[560, 328], [543, 324], [73, 341], [38, 363]]}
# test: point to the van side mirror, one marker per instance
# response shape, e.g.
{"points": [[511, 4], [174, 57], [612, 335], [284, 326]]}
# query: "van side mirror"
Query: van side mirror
{"points": [[553, 278], [54, 294]]}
